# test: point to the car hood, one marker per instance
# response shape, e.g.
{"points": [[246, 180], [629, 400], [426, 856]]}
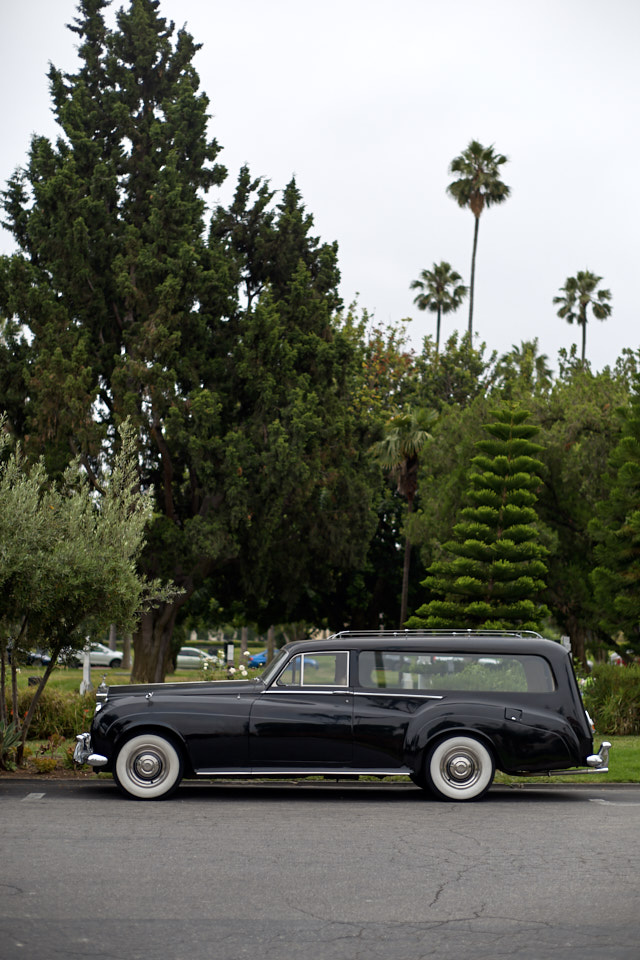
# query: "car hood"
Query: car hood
{"points": [[186, 688]]}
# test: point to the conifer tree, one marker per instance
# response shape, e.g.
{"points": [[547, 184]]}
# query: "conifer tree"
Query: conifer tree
{"points": [[222, 346], [616, 528], [494, 572]]}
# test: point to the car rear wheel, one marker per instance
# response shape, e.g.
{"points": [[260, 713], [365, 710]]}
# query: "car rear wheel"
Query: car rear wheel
{"points": [[460, 768], [148, 767]]}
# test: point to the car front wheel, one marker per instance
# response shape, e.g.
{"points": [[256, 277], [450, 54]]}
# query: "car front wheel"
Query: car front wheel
{"points": [[148, 767], [460, 768], [115, 664]]}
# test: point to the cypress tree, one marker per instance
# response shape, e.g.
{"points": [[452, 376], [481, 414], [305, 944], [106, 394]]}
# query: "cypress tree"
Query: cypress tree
{"points": [[223, 347], [494, 572]]}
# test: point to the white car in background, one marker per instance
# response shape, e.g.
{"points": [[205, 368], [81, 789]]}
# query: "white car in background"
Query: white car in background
{"points": [[191, 657], [99, 656], [102, 656]]}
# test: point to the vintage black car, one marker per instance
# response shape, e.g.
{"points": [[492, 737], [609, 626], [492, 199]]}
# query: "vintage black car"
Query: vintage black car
{"points": [[444, 708]]}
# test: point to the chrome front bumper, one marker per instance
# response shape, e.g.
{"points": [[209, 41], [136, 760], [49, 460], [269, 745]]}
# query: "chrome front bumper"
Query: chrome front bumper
{"points": [[596, 763], [83, 753]]}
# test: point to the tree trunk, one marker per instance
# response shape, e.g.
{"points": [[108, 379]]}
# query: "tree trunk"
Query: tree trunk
{"points": [[34, 703], [126, 652], [438, 331], [405, 582], [113, 636], [577, 635], [404, 599], [473, 275], [152, 642], [271, 644]]}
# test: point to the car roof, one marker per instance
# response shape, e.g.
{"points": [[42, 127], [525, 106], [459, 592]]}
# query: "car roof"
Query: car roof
{"points": [[436, 641]]}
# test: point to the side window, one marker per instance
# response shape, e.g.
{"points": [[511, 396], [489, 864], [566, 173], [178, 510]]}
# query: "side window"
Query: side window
{"points": [[380, 670], [316, 669]]}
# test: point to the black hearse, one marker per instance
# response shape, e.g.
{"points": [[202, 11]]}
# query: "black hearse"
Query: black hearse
{"points": [[445, 708]]}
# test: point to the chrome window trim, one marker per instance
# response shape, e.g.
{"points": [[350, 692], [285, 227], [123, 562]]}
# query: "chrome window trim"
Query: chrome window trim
{"points": [[321, 688], [287, 687], [405, 695]]}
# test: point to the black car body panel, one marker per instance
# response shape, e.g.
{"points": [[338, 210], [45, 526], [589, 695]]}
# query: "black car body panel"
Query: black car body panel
{"points": [[374, 703]]}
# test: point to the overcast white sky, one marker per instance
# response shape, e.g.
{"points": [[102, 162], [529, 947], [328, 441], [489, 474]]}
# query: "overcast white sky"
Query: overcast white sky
{"points": [[366, 102]]}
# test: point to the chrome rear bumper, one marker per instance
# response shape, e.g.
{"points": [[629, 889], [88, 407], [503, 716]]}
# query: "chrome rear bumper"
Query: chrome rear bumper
{"points": [[596, 763], [83, 753]]}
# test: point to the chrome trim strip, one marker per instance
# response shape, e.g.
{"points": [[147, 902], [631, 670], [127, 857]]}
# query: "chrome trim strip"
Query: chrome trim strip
{"points": [[306, 772], [405, 694], [345, 691]]}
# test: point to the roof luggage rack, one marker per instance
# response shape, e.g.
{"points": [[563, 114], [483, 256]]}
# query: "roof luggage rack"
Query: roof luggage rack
{"points": [[432, 632]]}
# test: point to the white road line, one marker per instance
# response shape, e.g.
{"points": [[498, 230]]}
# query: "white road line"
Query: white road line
{"points": [[613, 803], [34, 796]]}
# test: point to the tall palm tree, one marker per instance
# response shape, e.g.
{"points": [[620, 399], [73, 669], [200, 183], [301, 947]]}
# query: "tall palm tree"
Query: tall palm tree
{"points": [[405, 434], [578, 293], [478, 186], [441, 291]]}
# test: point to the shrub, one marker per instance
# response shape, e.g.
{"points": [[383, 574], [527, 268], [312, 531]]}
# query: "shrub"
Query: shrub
{"points": [[612, 696], [58, 713], [45, 764], [9, 739]]}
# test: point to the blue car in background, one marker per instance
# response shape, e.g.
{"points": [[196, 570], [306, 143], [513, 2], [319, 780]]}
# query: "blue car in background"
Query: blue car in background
{"points": [[260, 660]]}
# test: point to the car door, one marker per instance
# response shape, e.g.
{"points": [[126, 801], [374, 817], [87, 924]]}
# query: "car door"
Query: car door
{"points": [[302, 722]]}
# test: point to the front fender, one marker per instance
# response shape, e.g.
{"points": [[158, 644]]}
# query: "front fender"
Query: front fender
{"points": [[109, 733]]}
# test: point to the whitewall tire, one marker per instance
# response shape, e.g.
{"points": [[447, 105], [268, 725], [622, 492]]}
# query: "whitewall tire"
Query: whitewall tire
{"points": [[148, 767], [460, 768]]}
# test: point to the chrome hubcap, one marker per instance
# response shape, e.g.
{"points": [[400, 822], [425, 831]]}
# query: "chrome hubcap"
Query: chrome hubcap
{"points": [[147, 766], [460, 768]]}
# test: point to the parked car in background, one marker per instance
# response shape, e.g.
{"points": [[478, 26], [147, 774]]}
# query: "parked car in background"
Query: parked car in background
{"points": [[103, 656], [446, 709], [28, 657], [260, 660], [99, 656], [191, 657]]}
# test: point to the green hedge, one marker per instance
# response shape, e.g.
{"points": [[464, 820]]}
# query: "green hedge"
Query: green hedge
{"points": [[612, 696], [58, 712]]}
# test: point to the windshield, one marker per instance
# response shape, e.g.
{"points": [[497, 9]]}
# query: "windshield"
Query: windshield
{"points": [[274, 667]]}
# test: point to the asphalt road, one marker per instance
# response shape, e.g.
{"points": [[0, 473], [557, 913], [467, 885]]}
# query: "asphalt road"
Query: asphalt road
{"points": [[318, 872]]}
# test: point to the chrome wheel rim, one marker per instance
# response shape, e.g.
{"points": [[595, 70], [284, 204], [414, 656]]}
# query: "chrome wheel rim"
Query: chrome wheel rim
{"points": [[147, 767], [460, 768]]}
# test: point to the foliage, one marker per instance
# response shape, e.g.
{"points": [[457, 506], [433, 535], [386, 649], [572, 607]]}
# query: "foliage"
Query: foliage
{"points": [[616, 529], [494, 572], [612, 697], [456, 376], [523, 372], [576, 295], [441, 292], [579, 428], [10, 735], [58, 712], [68, 566], [223, 341], [405, 436]]}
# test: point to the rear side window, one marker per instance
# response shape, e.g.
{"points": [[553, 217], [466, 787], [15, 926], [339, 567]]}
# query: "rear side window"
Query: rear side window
{"points": [[380, 670]]}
